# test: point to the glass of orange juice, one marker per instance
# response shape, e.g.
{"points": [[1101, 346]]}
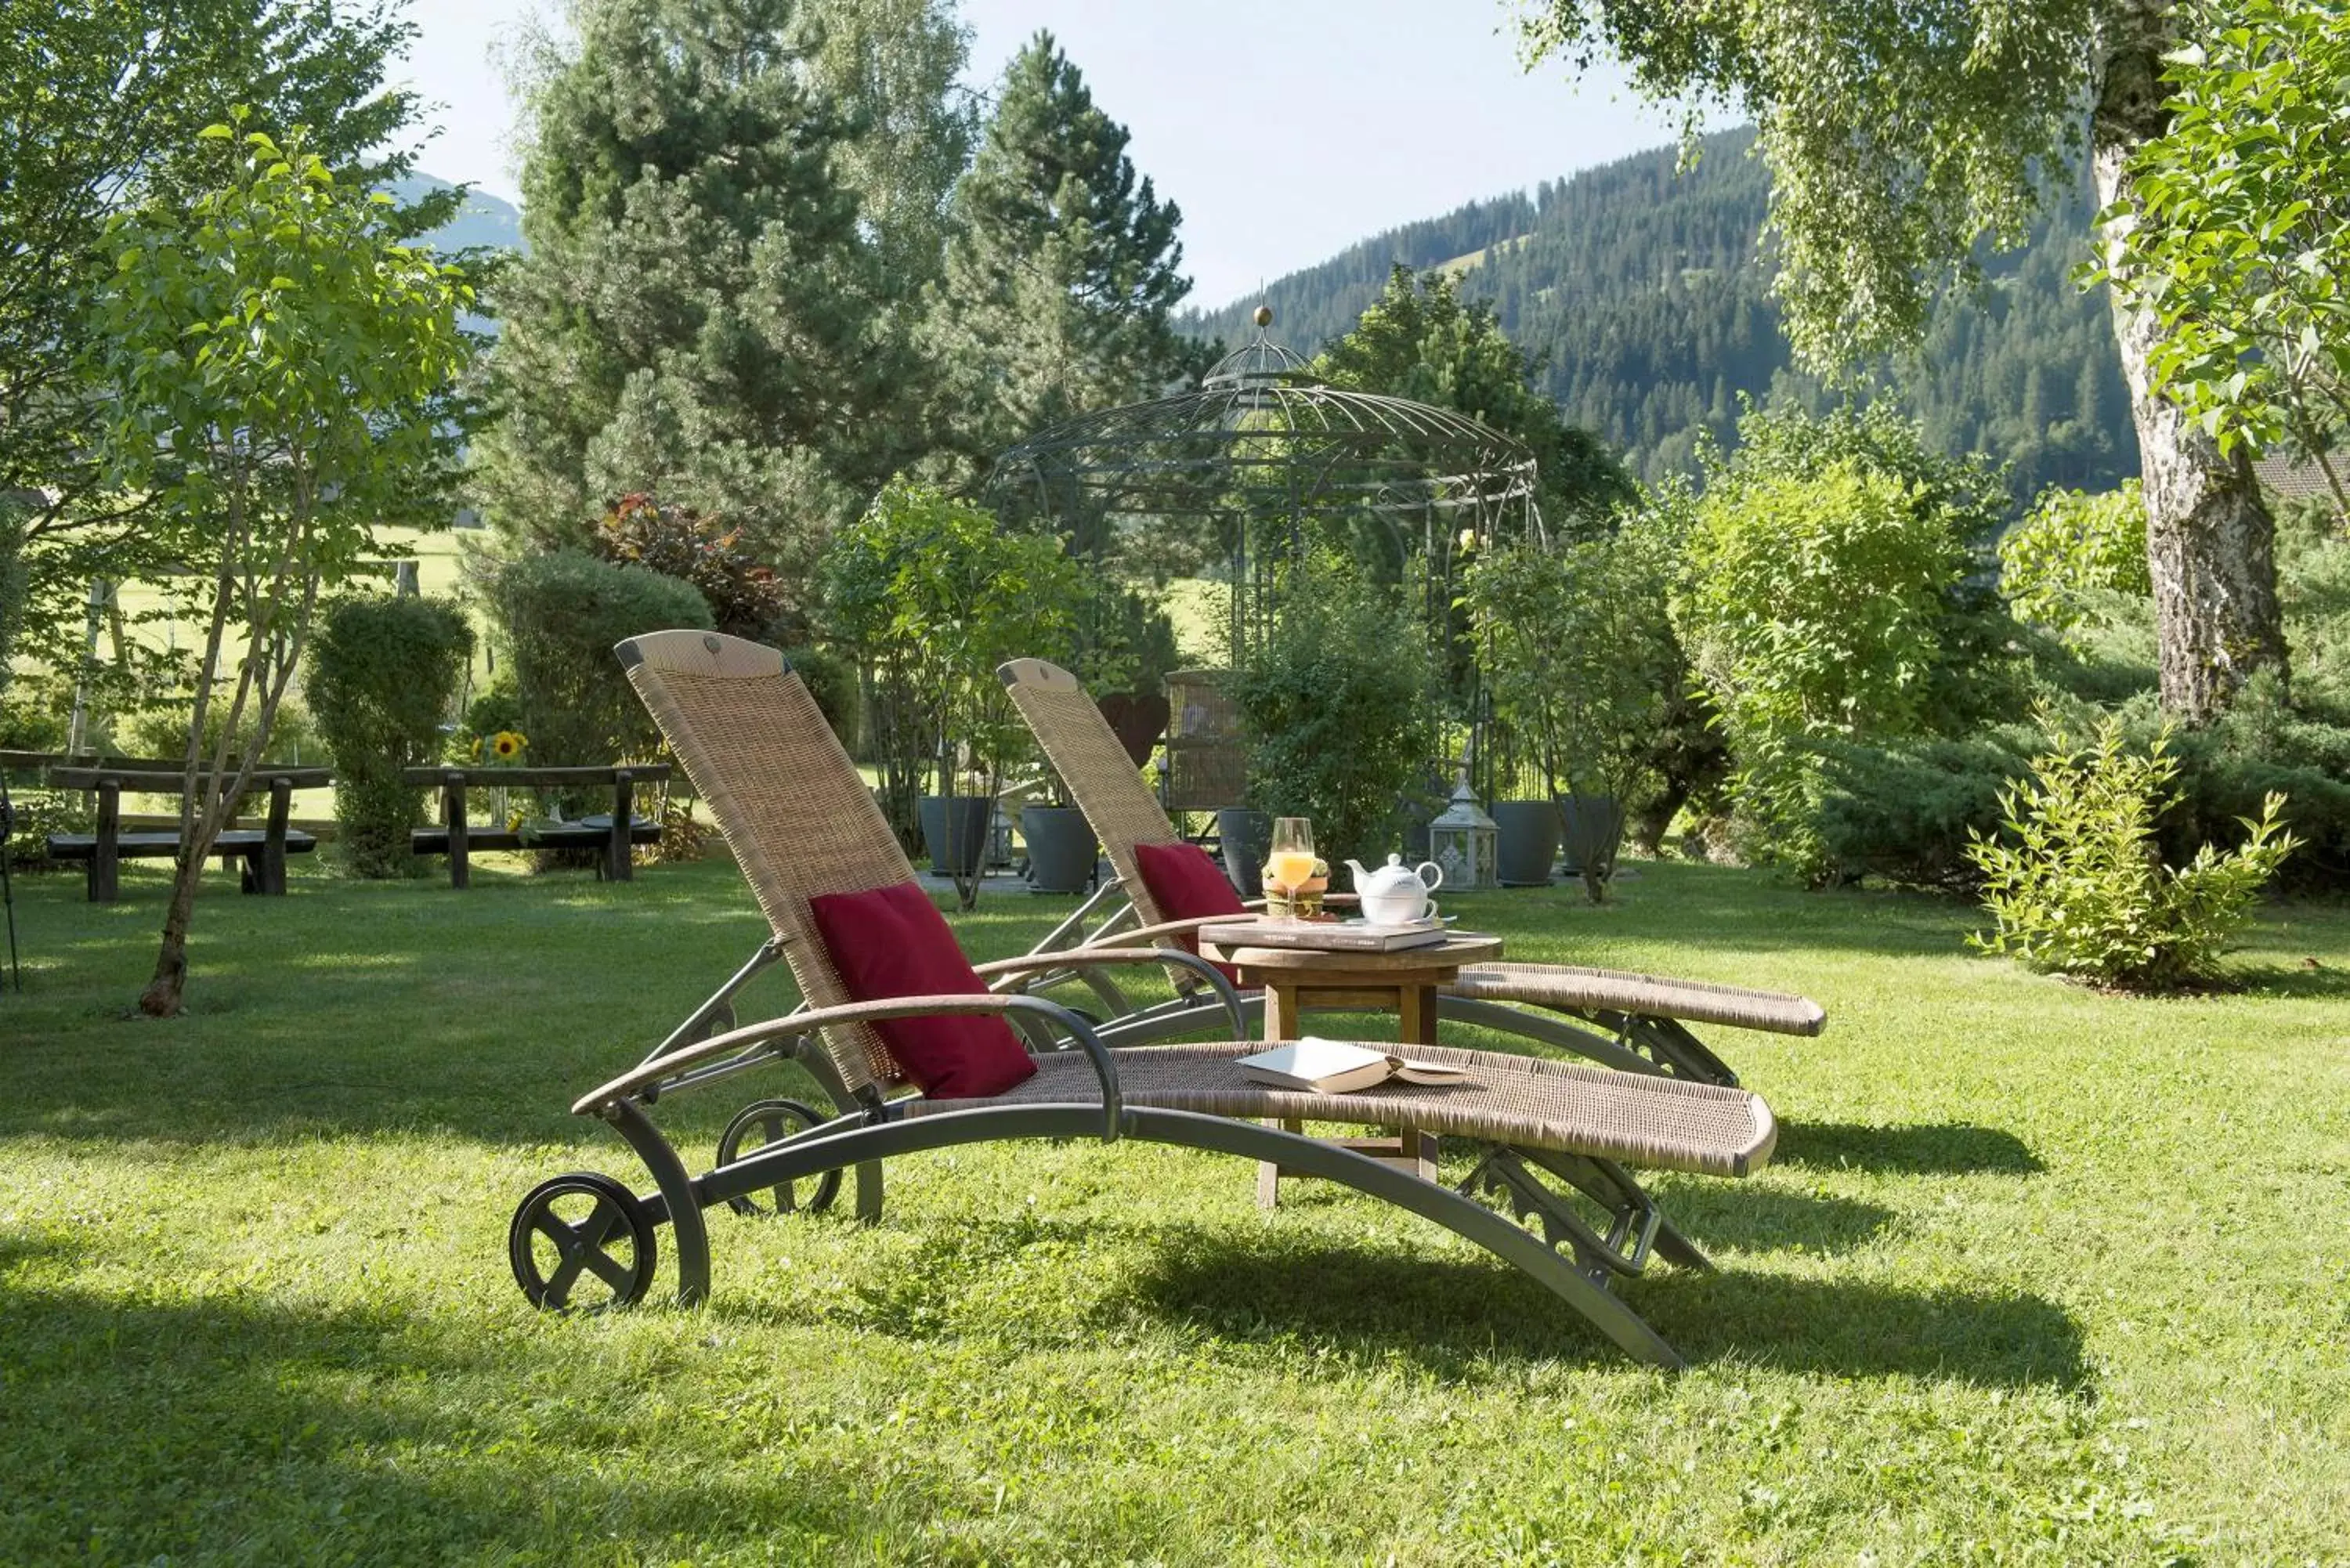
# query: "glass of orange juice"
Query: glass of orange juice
{"points": [[1291, 864]]}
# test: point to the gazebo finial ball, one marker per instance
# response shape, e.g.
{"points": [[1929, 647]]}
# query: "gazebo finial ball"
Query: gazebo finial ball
{"points": [[1262, 316]]}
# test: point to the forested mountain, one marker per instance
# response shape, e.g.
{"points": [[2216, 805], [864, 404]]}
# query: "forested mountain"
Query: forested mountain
{"points": [[1643, 297]]}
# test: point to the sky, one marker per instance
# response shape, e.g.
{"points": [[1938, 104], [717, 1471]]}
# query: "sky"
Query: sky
{"points": [[1285, 129]]}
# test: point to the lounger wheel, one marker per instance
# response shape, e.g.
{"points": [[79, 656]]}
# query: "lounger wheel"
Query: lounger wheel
{"points": [[758, 1125], [576, 1229]]}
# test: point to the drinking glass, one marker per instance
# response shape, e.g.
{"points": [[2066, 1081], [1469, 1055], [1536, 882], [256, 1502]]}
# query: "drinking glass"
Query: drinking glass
{"points": [[1291, 861]]}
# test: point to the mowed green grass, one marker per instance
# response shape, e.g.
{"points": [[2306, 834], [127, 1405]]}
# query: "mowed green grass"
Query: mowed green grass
{"points": [[2039, 1276]]}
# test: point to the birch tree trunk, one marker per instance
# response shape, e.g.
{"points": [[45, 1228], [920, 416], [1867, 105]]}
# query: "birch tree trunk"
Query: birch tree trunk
{"points": [[2210, 541]]}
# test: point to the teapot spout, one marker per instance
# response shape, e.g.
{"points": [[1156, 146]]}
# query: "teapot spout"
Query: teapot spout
{"points": [[1357, 868]]}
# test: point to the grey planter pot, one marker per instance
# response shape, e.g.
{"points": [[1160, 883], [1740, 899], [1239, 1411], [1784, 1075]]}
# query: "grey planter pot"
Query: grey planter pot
{"points": [[966, 831], [1526, 842], [1247, 838], [1061, 849], [1594, 830]]}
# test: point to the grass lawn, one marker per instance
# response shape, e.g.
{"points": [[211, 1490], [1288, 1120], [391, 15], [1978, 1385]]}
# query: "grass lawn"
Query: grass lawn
{"points": [[2039, 1276]]}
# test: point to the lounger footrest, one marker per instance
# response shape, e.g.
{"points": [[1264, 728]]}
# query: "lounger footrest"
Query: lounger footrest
{"points": [[1666, 1124], [1640, 995]]}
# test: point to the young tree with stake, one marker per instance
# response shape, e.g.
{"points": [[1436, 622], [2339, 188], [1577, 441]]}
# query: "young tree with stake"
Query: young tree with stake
{"points": [[279, 369]]}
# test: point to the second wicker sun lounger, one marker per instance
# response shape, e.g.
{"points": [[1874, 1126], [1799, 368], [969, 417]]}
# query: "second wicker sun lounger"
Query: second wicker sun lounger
{"points": [[1645, 1018], [811, 844]]}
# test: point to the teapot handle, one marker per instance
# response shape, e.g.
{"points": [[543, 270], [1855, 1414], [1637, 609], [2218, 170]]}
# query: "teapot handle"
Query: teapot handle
{"points": [[1423, 869]]}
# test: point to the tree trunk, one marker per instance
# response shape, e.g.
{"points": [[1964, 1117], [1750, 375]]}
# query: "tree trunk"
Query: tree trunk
{"points": [[2210, 541], [162, 997]]}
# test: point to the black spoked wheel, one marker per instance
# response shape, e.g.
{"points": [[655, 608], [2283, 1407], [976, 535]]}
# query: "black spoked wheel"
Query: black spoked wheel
{"points": [[755, 1127], [582, 1243]]}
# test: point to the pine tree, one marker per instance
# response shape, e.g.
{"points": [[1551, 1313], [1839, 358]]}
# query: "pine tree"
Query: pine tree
{"points": [[701, 313], [1063, 268]]}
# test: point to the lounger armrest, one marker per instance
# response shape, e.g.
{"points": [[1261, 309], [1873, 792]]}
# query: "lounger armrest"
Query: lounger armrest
{"points": [[793, 1025], [1072, 958]]}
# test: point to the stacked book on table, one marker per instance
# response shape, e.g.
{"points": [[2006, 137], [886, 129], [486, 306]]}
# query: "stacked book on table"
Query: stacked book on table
{"points": [[1327, 936]]}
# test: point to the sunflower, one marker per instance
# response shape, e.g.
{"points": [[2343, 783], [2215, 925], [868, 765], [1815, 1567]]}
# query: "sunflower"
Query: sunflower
{"points": [[507, 745]]}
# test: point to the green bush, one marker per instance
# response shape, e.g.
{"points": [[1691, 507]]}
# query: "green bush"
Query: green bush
{"points": [[383, 675], [160, 730], [565, 611], [1909, 811], [2080, 889], [1337, 711], [2268, 742], [832, 682], [2070, 545]]}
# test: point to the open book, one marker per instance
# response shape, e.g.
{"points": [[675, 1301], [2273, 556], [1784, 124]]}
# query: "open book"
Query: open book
{"points": [[1318, 1067]]}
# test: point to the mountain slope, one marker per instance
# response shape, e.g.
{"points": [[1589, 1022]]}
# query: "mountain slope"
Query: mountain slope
{"points": [[1642, 293]]}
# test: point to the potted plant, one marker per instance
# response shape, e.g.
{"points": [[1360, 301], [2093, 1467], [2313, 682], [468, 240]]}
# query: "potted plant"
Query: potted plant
{"points": [[1580, 662], [933, 593], [1526, 821]]}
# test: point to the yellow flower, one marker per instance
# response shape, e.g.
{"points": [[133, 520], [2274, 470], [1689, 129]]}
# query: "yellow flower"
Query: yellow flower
{"points": [[507, 745]]}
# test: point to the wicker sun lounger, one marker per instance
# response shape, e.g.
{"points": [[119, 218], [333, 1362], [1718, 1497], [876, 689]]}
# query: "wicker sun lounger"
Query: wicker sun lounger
{"points": [[1645, 1018], [803, 826]]}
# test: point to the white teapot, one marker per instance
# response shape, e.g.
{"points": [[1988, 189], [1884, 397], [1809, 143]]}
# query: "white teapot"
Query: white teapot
{"points": [[1396, 894]]}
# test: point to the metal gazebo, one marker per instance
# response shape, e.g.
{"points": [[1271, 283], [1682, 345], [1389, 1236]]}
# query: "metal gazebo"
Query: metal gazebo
{"points": [[1270, 457]]}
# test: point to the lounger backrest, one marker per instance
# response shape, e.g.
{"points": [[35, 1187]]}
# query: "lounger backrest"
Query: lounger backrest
{"points": [[1094, 767], [791, 805]]}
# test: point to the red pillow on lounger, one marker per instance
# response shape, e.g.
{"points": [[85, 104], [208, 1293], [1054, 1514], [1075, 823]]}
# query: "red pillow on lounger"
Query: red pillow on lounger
{"points": [[1186, 885], [892, 941]]}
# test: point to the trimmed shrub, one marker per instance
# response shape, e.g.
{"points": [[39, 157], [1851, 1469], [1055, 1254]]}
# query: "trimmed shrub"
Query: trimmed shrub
{"points": [[565, 612], [384, 673], [2082, 891]]}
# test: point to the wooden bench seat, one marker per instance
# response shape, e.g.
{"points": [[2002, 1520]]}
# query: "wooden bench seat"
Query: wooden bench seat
{"points": [[616, 833], [262, 851]]}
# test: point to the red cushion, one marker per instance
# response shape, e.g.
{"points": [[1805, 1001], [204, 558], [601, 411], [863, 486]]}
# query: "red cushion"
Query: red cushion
{"points": [[1187, 885], [892, 941]]}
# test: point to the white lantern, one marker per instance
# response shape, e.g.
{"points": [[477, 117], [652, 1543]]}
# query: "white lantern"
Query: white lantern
{"points": [[1463, 841]]}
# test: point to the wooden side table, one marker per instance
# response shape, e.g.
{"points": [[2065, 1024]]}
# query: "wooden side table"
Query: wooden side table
{"points": [[1297, 981]]}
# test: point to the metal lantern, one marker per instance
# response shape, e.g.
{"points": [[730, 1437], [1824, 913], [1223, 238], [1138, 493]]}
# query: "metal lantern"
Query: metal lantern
{"points": [[1463, 841]]}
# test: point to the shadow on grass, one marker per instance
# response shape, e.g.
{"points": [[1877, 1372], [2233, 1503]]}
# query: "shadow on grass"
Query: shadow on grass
{"points": [[1765, 1219], [2307, 977], [1454, 1316], [1918, 1148], [138, 1430]]}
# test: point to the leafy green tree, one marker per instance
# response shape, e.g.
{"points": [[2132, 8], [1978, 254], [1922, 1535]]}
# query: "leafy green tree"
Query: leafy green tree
{"points": [[890, 67], [1337, 708], [700, 314], [1421, 340], [384, 673], [1062, 270], [280, 368], [1900, 138], [2234, 233], [1582, 664], [932, 594], [100, 101]]}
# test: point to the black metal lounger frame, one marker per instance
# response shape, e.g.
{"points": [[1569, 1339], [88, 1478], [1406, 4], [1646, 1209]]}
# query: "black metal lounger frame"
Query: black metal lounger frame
{"points": [[1572, 1258]]}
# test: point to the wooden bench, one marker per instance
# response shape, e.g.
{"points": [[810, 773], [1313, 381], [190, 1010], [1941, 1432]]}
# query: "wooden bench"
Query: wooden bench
{"points": [[262, 851], [617, 834]]}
